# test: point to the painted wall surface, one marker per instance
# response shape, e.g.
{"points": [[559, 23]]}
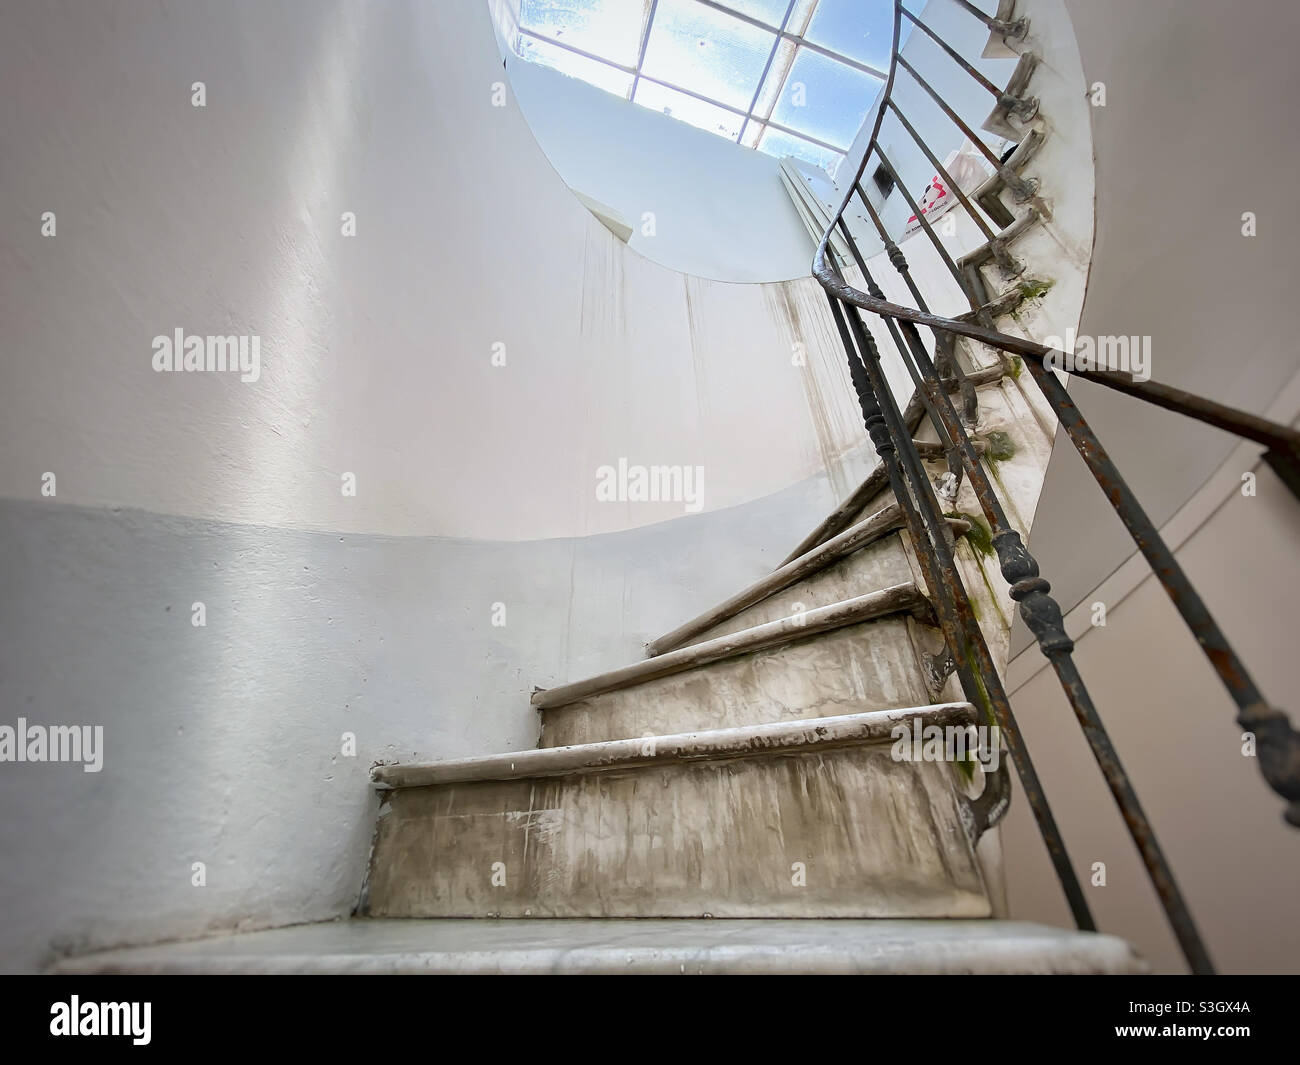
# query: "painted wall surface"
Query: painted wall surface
{"points": [[1171, 263], [326, 612], [376, 349], [329, 612], [1173, 725], [719, 210], [223, 744], [372, 614]]}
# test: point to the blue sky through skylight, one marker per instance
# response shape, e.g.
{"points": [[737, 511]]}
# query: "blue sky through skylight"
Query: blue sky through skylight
{"points": [[788, 77]]}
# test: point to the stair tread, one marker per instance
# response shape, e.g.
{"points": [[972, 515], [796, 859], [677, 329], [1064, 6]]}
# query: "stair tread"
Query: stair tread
{"points": [[876, 481], [802, 734], [622, 945], [882, 523], [896, 599]]}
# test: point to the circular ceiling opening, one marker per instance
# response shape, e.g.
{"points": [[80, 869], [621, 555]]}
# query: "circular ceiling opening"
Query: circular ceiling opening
{"points": [[689, 127]]}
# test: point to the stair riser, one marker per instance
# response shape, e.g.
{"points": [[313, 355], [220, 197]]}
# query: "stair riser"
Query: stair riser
{"points": [[877, 565], [876, 838], [869, 666]]}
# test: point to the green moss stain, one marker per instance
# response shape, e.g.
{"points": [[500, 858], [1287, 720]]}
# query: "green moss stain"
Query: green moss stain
{"points": [[998, 446], [980, 538], [1016, 367], [979, 535], [1008, 501], [982, 693], [1034, 288], [993, 596], [997, 479]]}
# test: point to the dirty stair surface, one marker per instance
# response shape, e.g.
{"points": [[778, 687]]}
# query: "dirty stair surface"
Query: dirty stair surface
{"points": [[609, 947]]}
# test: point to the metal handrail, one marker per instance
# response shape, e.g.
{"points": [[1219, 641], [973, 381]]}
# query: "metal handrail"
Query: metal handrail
{"points": [[1278, 744]]}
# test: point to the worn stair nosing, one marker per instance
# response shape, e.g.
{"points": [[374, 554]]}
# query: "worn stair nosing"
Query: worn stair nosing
{"points": [[878, 479], [1000, 121], [1025, 151], [932, 450], [871, 530], [986, 252], [746, 741], [875, 483], [896, 599], [1000, 307]]}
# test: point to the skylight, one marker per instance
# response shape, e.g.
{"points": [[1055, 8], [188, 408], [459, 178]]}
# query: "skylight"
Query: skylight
{"points": [[787, 77]]}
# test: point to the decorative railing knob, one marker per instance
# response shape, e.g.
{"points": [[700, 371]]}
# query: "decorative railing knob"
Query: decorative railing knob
{"points": [[1277, 746]]}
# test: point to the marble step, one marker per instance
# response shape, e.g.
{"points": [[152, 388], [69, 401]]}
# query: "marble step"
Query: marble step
{"points": [[868, 493], [865, 556], [810, 818], [636, 947], [858, 654]]}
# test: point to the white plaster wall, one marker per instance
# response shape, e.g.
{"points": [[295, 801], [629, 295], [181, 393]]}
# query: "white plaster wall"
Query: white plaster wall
{"points": [[720, 210], [223, 744], [377, 360], [1170, 262], [376, 349], [330, 613], [1173, 726]]}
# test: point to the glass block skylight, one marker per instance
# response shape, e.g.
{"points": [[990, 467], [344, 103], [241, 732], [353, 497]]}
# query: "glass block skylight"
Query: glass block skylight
{"points": [[787, 77]]}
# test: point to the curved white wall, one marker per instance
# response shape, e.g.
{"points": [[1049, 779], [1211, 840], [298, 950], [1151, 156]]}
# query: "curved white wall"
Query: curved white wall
{"points": [[1177, 166], [719, 211], [475, 483], [1176, 171], [369, 614], [377, 348]]}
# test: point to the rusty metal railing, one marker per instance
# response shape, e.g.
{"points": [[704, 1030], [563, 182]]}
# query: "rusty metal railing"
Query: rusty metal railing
{"points": [[1278, 744]]}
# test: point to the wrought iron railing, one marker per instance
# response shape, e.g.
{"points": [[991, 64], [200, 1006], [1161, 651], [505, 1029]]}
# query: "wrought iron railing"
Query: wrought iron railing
{"points": [[1278, 744]]}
